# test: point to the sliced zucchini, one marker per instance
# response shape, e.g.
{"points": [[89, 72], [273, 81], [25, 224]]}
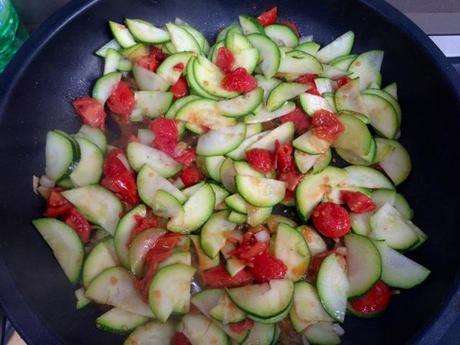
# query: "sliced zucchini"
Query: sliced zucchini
{"points": [[213, 165], [241, 105], [333, 296], [315, 242], [236, 203], [267, 84], [64, 242], [291, 248], [170, 290], [245, 55], [202, 331], [323, 162], [322, 333], [259, 191], [115, 287], [258, 215], [168, 70], [146, 32], [227, 175], [150, 104], [112, 59], [82, 300], [165, 205], [209, 78], [122, 34], [203, 112], [364, 265], [382, 196], [214, 231], [135, 52], [220, 194], [310, 143], [244, 169], [101, 257], [282, 35], [139, 248], [60, 154], [392, 89], [263, 300], [341, 46], [234, 266], [95, 135], [283, 134], [147, 80], [105, 85], [182, 40], [152, 333], [204, 261], [237, 218], [120, 321], [269, 52], [325, 85], [360, 223], [140, 154], [398, 271], [263, 115], [260, 334], [366, 67], [102, 51], [240, 152], [381, 114], [221, 141], [304, 161], [389, 98], [97, 204], [343, 62], [312, 103], [309, 47], [348, 98], [178, 104], [298, 62], [366, 177], [396, 163], [226, 311], [250, 25]]}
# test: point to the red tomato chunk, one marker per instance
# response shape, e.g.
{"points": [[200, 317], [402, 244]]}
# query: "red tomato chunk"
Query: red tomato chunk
{"points": [[299, 118], [326, 125], [79, 223], [225, 60], [260, 159], [331, 220], [218, 277], [180, 339], [91, 111], [374, 301], [121, 101], [239, 80], [180, 88], [266, 267], [357, 202], [242, 326], [190, 176], [268, 17], [166, 135]]}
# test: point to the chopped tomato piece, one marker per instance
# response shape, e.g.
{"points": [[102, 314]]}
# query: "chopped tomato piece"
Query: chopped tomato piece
{"points": [[91, 111], [239, 80], [315, 263], [288, 196], [292, 26], [260, 159], [190, 176], [248, 250], [357, 202], [326, 125], [266, 267], [119, 179], [284, 158], [241, 326], [179, 66], [292, 179], [218, 277], [374, 301], [186, 157], [309, 79], [79, 223], [180, 88], [56, 204], [148, 62], [342, 81], [225, 59], [160, 55], [331, 220], [299, 118], [268, 17], [180, 339], [143, 223], [121, 101], [166, 135]]}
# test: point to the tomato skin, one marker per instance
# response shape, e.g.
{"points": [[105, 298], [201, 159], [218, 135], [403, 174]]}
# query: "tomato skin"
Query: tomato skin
{"points": [[180, 88], [225, 60], [79, 223], [191, 175], [166, 134], [91, 111], [292, 179], [284, 157], [148, 62], [260, 159], [180, 339], [266, 267], [316, 262], [357, 202], [239, 80], [309, 79], [56, 204], [268, 17], [218, 277], [331, 220], [186, 157], [249, 249], [121, 101], [342, 81], [292, 26], [374, 301], [179, 66], [119, 179], [299, 118], [143, 223], [241, 326], [326, 125]]}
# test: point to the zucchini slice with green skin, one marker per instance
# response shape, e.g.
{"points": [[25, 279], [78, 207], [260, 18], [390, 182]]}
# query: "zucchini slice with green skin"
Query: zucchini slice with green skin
{"points": [[310, 47], [267, 84], [312, 103], [263, 300], [139, 248], [167, 71], [105, 85], [226, 311], [213, 165], [268, 51], [182, 40], [139, 154], [169, 290], [200, 330], [352, 158], [392, 89], [149, 81], [213, 233], [243, 168], [381, 114], [250, 25], [333, 296], [258, 215], [237, 218], [119, 321], [364, 265], [396, 163], [152, 333], [209, 78], [282, 35], [111, 61], [150, 104], [227, 175], [348, 98], [389, 225], [389, 98], [283, 134], [61, 153], [178, 104], [399, 271], [310, 143], [366, 67], [95, 135], [115, 287], [360, 223], [241, 105], [253, 129], [204, 261], [135, 52], [312, 188], [97, 204], [101, 257], [291, 248], [149, 182], [165, 205], [260, 334], [298, 62], [234, 266], [203, 112], [236, 203], [220, 194], [366, 177], [341, 46], [240, 152], [102, 51], [195, 88], [122, 34], [284, 92], [82, 300], [343, 62], [301, 316], [245, 55], [263, 115], [259, 191], [273, 319], [66, 245], [323, 162], [382, 196], [218, 142], [197, 210], [123, 232], [146, 32], [232, 28], [322, 333], [304, 161], [177, 257]]}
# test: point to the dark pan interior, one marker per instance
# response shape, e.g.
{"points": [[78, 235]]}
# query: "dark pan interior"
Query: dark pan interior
{"points": [[35, 97]]}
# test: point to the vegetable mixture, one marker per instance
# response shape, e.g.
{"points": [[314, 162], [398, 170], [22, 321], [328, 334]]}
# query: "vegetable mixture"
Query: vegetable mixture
{"points": [[250, 197]]}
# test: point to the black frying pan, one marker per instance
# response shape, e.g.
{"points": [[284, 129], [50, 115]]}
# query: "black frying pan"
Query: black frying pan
{"points": [[57, 65]]}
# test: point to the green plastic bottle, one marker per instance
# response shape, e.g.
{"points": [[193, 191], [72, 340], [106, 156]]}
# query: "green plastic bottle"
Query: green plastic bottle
{"points": [[12, 33]]}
